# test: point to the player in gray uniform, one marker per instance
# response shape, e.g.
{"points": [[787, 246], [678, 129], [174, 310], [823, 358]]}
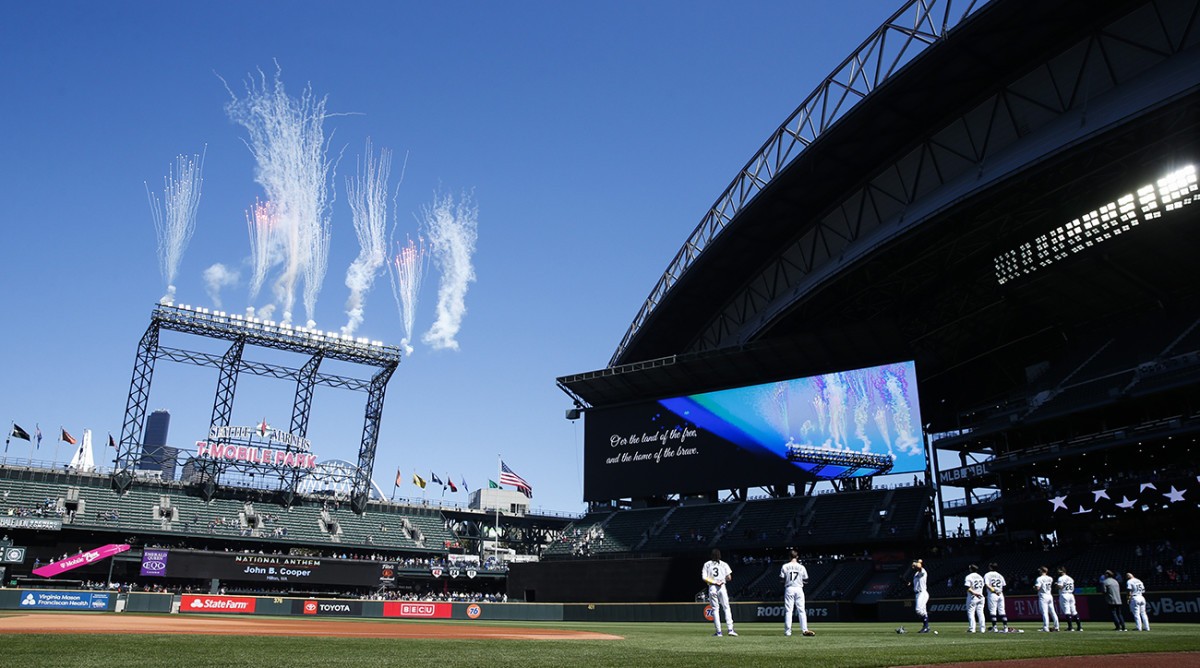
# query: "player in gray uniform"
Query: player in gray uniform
{"points": [[794, 575], [974, 584], [1066, 599], [715, 574], [995, 584]]}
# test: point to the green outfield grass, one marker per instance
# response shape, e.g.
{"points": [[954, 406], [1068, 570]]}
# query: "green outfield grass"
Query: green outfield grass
{"points": [[643, 645]]}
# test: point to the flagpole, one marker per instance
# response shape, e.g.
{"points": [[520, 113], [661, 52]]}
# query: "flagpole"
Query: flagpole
{"points": [[56, 446], [37, 429], [496, 543]]}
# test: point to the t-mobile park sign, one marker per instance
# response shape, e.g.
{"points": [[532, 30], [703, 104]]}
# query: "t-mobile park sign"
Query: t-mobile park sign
{"points": [[257, 445]]}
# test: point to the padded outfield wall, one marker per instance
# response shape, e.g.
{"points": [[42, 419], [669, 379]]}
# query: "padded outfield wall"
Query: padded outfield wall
{"points": [[1167, 607]]}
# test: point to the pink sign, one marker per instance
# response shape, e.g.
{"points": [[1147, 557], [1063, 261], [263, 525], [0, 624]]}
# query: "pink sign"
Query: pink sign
{"points": [[81, 559]]}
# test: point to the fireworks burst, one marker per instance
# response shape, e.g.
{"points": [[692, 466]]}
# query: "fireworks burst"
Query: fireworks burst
{"points": [[175, 215], [407, 269], [367, 194], [287, 140]]}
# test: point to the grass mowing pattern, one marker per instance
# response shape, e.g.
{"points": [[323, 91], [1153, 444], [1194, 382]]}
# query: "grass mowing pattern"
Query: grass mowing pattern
{"points": [[649, 644]]}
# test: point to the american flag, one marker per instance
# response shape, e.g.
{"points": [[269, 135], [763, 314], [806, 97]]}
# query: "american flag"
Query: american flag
{"points": [[510, 477]]}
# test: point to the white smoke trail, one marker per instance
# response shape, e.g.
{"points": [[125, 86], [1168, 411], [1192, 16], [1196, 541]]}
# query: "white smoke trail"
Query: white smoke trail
{"points": [[288, 143], [314, 270], [367, 194], [452, 230], [175, 216], [407, 270], [217, 277]]}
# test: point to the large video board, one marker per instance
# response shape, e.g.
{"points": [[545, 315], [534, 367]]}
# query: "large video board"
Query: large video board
{"points": [[838, 425]]}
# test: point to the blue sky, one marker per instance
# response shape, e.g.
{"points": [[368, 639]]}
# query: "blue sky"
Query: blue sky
{"points": [[593, 137]]}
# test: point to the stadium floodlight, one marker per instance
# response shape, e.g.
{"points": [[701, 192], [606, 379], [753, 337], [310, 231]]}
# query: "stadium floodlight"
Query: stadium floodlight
{"points": [[1173, 191]]}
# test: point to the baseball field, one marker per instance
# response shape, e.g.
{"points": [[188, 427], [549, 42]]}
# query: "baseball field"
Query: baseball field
{"points": [[127, 640]]}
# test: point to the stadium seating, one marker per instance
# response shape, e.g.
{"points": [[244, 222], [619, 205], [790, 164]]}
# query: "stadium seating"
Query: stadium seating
{"points": [[688, 527]]}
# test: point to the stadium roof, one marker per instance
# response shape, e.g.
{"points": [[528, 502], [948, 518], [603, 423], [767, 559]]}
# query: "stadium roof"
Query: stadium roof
{"points": [[922, 282]]}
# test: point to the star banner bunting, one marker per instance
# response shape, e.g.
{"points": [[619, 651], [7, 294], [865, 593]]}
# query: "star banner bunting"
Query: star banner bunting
{"points": [[1126, 496]]}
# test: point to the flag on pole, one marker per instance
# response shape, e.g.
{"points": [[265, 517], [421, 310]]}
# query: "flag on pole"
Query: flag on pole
{"points": [[67, 438], [398, 478], [37, 428], [418, 481], [433, 478], [510, 477], [450, 481], [18, 432], [111, 443], [492, 484], [464, 482]]}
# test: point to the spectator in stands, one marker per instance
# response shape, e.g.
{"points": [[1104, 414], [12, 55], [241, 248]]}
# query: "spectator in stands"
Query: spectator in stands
{"points": [[1112, 596]]}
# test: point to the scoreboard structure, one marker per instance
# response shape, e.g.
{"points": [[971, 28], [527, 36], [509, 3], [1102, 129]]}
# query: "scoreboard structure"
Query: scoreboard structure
{"points": [[242, 332]]}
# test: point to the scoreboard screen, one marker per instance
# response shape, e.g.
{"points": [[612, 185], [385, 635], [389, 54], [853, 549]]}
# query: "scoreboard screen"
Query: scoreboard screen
{"points": [[846, 424]]}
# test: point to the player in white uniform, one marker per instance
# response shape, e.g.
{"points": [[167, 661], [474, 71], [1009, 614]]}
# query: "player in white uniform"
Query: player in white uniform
{"points": [[715, 574], [995, 584], [1137, 601], [1066, 599], [974, 584], [1044, 586], [794, 575], [920, 585]]}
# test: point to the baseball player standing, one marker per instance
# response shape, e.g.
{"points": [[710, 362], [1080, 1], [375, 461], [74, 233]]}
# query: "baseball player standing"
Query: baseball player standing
{"points": [[995, 584], [1044, 586], [920, 585], [1137, 602], [974, 584], [1066, 599], [715, 574], [794, 575]]}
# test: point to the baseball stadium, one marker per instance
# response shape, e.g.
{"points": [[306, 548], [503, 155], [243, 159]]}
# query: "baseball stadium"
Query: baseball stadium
{"points": [[946, 312]]}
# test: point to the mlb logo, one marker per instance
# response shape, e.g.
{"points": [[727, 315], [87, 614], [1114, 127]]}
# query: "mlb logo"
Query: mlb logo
{"points": [[310, 607]]}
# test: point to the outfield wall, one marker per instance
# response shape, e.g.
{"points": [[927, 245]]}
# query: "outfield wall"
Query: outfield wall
{"points": [[1177, 606], [1166, 607]]}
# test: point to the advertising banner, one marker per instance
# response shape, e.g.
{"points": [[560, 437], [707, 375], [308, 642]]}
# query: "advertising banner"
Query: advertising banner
{"points": [[81, 559], [414, 610], [64, 600], [39, 523], [154, 562], [313, 606], [862, 422], [206, 603], [273, 568]]}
